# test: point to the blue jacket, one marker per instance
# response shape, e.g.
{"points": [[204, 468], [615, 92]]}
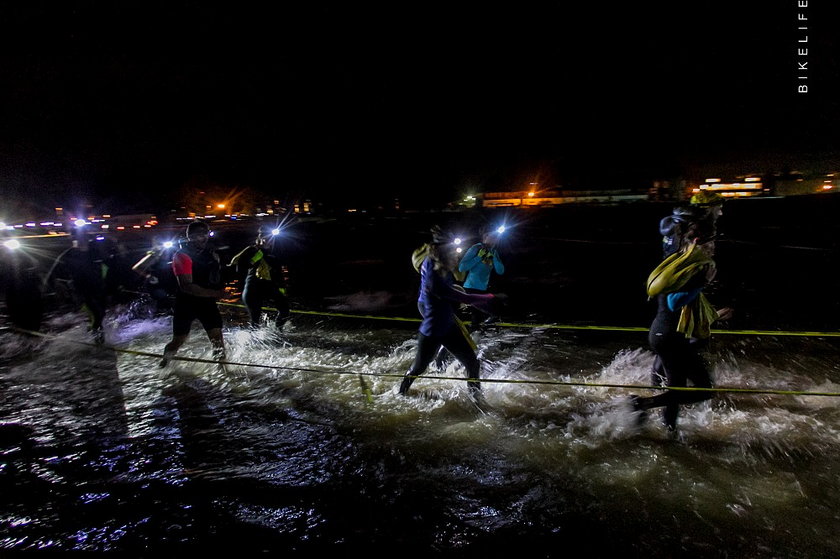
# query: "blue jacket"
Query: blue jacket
{"points": [[437, 299], [479, 261]]}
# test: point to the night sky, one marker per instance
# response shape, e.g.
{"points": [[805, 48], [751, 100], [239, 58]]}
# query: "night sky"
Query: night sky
{"points": [[128, 104]]}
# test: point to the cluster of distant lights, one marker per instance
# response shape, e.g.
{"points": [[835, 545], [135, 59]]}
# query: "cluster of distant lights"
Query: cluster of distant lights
{"points": [[14, 244], [750, 187], [78, 223]]}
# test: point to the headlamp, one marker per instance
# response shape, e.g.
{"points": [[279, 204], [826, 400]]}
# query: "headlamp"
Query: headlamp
{"points": [[11, 244]]}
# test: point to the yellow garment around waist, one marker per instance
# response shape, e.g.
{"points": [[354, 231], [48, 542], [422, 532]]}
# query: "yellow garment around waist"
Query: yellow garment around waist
{"points": [[696, 318]]}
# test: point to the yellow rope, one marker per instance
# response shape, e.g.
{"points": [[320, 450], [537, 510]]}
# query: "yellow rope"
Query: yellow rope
{"points": [[483, 380], [809, 334], [805, 334]]}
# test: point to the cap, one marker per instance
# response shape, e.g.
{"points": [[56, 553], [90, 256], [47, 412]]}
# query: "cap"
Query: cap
{"points": [[706, 198], [197, 227]]}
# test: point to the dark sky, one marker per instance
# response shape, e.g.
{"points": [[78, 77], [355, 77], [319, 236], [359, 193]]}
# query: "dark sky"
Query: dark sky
{"points": [[417, 101]]}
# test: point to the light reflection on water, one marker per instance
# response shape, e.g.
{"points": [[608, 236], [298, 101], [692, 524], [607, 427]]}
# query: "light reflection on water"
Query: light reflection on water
{"points": [[296, 455]]}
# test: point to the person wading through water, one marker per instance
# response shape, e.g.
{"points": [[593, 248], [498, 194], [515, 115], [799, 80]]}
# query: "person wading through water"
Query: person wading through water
{"points": [[436, 302]]}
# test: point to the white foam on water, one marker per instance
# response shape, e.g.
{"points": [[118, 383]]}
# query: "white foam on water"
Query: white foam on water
{"points": [[739, 458]]}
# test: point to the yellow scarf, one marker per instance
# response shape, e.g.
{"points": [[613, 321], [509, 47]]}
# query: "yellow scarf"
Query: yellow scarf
{"points": [[671, 276], [420, 254], [263, 269]]}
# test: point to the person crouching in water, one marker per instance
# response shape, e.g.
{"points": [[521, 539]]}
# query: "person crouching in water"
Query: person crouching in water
{"points": [[263, 279], [437, 300], [682, 325], [197, 270]]}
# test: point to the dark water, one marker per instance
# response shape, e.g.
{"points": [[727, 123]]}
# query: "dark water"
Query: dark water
{"points": [[302, 444]]}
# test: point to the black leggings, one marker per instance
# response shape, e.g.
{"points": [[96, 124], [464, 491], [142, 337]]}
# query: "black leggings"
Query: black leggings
{"points": [[94, 304], [477, 315], [259, 292], [457, 344], [679, 360]]}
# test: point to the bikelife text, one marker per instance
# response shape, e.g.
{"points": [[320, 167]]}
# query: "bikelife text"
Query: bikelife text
{"points": [[801, 45]]}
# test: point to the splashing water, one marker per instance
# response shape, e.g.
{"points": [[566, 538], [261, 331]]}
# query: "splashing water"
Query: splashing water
{"points": [[301, 443]]}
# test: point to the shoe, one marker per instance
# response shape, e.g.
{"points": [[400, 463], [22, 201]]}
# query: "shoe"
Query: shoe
{"points": [[406, 383], [167, 355], [669, 418], [442, 360], [477, 397], [636, 406]]}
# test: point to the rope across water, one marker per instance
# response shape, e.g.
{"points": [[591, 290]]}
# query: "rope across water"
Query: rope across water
{"points": [[719, 389]]}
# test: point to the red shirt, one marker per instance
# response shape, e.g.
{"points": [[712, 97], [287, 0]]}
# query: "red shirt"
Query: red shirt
{"points": [[182, 264]]}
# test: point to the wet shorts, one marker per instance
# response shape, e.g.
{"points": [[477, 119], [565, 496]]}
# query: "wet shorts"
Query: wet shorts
{"points": [[189, 308]]}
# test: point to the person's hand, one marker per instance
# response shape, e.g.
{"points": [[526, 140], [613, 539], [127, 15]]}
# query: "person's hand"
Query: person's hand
{"points": [[711, 272], [725, 313], [493, 303], [484, 302]]}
